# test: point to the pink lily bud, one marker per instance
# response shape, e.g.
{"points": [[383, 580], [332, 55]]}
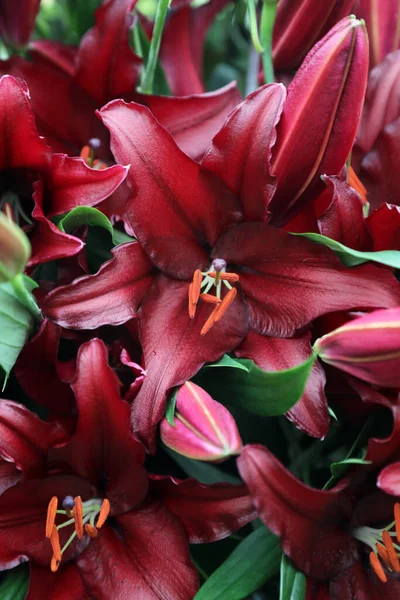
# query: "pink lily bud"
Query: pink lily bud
{"points": [[368, 347], [203, 429], [320, 117], [14, 249], [299, 24], [383, 21], [17, 20]]}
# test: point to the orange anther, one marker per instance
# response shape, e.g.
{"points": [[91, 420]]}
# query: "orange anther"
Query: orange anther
{"points": [[85, 153], [232, 277], [356, 184], [103, 514], [393, 558], [210, 321], [197, 279], [54, 564], [210, 299], [192, 307], [225, 304], [55, 543], [91, 531], [383, 553], [377, 567], [78, 517], [51, 515], [397, 520]]}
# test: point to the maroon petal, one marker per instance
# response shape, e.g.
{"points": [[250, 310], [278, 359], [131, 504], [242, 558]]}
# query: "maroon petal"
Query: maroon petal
{"points": [[73, 183], [106, 66], [308, 521], [359, 583], [67, 584], [54, 54], [176, 208], [382, 22], [208, 512], [103, 444], [276, 354], [17, 20], [175, 356], [149, 560], [21, 144], [111, 297], [384, 226], [193, 120], [240, 153], [289, 281], [389, 479], [39, 355]]}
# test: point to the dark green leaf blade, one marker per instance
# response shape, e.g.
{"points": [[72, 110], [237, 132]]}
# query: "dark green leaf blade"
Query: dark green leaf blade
{"points": [[293, 582], [228, 361], [15, 584]]}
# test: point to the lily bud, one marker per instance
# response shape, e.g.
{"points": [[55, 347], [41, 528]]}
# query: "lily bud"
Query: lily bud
{"points": [[320, 117], [14, 249], [383, 21], [299, 24], [368, 348], [17, 20], [203, 429]]}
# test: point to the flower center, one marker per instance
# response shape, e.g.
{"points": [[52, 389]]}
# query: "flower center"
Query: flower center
{"points": [[206, 281], [81, 515], [88, 153], [383, 547]]}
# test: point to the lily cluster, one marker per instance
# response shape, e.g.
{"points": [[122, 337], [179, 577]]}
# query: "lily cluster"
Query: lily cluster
{"points": [[200, 277]]}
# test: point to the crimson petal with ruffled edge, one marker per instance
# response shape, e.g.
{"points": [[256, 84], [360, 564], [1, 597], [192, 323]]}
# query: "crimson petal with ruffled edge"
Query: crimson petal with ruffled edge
{"points": [[103, 444], [276, 354], [240, 153], [208, 512], [177, 210], [67, 584], [110, 297], [307, 520], [289, 281], [148, 560], [384, 226], [173, 357]]}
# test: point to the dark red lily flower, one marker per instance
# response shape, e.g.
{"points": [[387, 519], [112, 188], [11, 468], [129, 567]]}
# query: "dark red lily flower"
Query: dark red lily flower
{"points": [[382, 20], [98, 474], [190, 228], [17, 20]]}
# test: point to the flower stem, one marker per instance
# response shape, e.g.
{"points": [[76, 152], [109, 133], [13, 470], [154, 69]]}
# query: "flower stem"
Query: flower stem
{"points": [[148, 73], [268, 14]]}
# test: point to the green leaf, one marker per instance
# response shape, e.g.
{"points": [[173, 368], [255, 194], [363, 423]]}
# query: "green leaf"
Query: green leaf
{"points": [[338, 469], [350, 257], [170, 410], [228, 361], [15, 584], [293, 582], [250, 566], [264, 393], [203, 472], [84, 215]]}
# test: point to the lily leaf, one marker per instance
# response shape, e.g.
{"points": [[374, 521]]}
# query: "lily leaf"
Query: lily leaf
{"points": [[350, 257], [293, 582], [228, 361], [250, 566], [203, 472], [170, 410], [84, 215], [338, 469], [266, 393], [15, 584]]}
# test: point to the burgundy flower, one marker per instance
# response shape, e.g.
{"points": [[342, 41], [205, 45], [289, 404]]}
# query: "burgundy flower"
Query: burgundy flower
{"points": [[382, 21], [17, 20], [123, 530]]}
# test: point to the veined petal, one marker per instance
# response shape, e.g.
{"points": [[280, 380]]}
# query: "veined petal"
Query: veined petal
{"points": [[110, 297], [65, 585], [355, 583], [389, 479], [176, 209], [384, 226], [55, 54]]}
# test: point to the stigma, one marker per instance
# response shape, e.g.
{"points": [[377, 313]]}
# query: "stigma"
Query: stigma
{"points": [[85, 517], [212, 280], [384, 544]]}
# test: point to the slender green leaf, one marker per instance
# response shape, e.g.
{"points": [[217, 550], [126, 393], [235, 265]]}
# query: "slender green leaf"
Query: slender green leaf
{"points": [[228, 361], [203, 472], [171, 404], [250, 566], [292, 581], [261, 392], [350, 257], [338, 469], [15, 583]]}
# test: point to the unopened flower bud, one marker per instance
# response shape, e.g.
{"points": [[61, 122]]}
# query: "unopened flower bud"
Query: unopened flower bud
{"points": [[368, 348], [203, 429], [14, 249]]}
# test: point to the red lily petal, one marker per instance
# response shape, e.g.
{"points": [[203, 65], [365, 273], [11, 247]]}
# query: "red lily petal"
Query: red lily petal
{"points": [[54, 54], [307, 520], [103, 444], [23, 509], [359, 583], [336, 69], [208, 512], [193, 120], [275, 354], [240, 153], [176, 207], [382, 22], [175, 356], [17, 20], [111, 296], [39, 355], [64, 585], [149, 561], [275, 261], [343, 220], [21, 144], [73, 183], [389, 479], [384, 225], [106, 66]]}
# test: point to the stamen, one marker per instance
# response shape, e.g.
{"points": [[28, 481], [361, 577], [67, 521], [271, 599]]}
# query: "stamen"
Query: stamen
{"points": [[397, 520], [104, 512], [197, 279], [210, 321], [210, 299], [377, 567], [78, 517], [55, 543], [54, 564], [393, 559], [232, 277], [225, 304], [383, 553], [91, 531], [51, 516], [192, 307]]}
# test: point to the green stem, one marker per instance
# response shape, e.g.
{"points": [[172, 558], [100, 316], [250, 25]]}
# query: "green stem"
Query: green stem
{"points": [[25, 296], [148, 73], [253, 26], [136, 41], [268, 14]]}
